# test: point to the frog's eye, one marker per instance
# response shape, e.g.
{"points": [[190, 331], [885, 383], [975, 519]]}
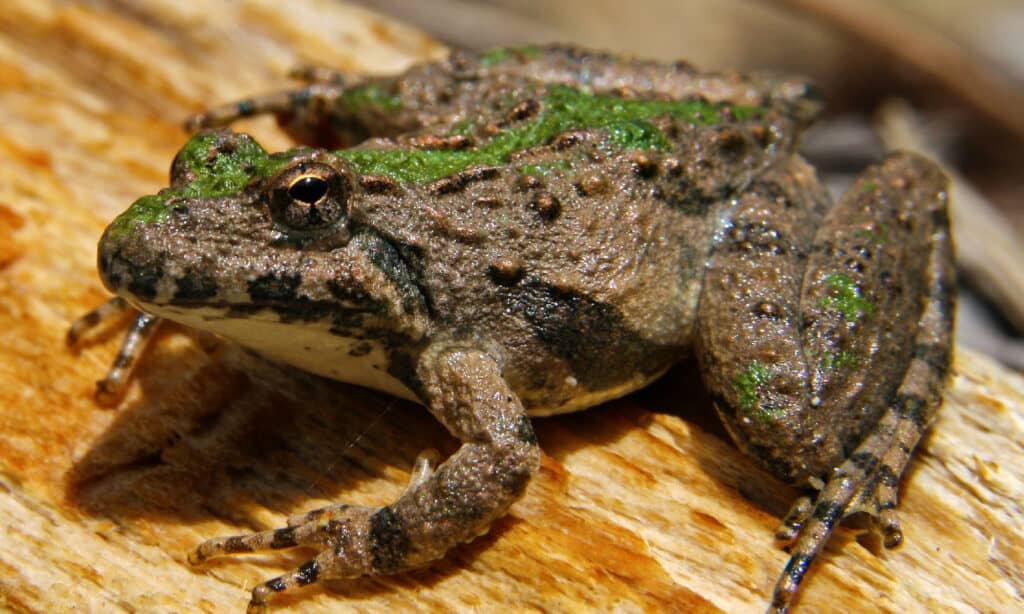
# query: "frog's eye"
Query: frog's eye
{"points": [[309, 197], [308, 189]]}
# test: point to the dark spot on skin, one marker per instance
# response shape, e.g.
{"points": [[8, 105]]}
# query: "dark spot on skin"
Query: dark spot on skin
{"points": [[435, 142], [283, 538], [523, 110], [759, 238], [525, 433], [307, 573], [514, 483], [644, 167], [274, 288], [766, 309], [912, 407], [731, 144], [888, 477], [400, 264], [123, 361], [690, 199], [195, 286], [864, 461], [402, 363], [527, 183], [795, 569], [590, 335], [142, 280], [345, 292], [277, 584], [488, 202], [827, 512], [671, 167], [506, 271], [592, 185], [567, 139], [236, 544], [935, 355], [459, 181], [940, 218], [389, 542], [547, 206], [377, 184]]}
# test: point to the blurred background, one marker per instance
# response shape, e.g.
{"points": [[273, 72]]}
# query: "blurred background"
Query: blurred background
{"points": [[942, 76]]}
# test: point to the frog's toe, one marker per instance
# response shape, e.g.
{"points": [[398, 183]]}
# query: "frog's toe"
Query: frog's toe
{"points": [[892, 532], [304, 574], [795, 520]]}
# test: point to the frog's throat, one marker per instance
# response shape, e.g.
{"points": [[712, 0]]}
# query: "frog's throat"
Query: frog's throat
{"points": [[362, 360]]}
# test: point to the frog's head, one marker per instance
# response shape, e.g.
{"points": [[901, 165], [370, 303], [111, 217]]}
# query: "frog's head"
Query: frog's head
{"points": [[268, 250]]}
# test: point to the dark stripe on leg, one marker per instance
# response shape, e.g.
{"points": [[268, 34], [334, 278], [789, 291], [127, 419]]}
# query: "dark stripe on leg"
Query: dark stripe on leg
{"points": [[388, 541]]}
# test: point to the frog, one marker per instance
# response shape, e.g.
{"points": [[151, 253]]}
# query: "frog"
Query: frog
{"points": [[522, 232]]}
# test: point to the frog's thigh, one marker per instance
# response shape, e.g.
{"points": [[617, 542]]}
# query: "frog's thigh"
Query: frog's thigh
{"points": [[803, 344], [749, 341]]}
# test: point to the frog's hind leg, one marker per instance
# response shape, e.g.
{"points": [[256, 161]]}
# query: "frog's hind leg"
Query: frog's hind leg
{"points": [[315, 100], [867, 480], [110, 388]]}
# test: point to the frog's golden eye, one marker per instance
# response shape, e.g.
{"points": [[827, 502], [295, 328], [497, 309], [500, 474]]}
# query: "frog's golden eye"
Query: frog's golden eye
{"points": [[310, 196]]}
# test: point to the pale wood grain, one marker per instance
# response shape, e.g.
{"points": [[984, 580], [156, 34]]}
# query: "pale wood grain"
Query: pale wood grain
{"points": [[641, 505]]}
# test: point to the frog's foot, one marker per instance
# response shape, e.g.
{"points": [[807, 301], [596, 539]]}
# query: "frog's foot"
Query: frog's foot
{"points": [[866, 482], [110, 388], [440, 509], [352, 540], [333, 528]]}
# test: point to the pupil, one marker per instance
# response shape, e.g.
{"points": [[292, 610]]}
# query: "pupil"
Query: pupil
{"points": [[308, 189]]}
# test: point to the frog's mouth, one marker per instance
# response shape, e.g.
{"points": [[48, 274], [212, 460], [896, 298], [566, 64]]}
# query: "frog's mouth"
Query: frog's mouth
{"points": [[363, 286]]}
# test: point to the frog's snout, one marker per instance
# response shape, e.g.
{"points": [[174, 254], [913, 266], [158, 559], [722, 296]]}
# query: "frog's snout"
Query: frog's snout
{"points": [[130, 277]]}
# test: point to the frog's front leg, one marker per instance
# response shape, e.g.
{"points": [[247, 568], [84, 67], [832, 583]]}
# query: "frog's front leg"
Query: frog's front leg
{"points": [[463, 387], [325, 113], [827, 355], [110, 388]]}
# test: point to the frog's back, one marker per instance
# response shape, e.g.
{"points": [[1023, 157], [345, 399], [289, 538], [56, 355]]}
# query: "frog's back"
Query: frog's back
{"points": [[568, 201]]}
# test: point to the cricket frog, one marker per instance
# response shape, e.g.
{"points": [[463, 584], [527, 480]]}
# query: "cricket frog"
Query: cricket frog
{"points": [[532, 231]]}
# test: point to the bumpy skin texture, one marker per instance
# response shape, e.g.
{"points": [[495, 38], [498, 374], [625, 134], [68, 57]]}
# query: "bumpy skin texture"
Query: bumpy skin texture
{"points": [[538, 230]]}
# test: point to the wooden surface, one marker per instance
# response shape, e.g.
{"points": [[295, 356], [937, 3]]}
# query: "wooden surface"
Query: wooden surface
{"points": [[640, 505]]}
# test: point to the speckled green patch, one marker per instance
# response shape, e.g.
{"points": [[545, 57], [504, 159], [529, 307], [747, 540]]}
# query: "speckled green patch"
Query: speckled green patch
{"points": [[501, 54], [846, 297], [563, 109], [221, 175], [840, 360], [868, 187], [750, 385]]}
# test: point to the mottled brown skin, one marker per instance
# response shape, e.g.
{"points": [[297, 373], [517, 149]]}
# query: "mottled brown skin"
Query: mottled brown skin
{"points": [[823, 332]]}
